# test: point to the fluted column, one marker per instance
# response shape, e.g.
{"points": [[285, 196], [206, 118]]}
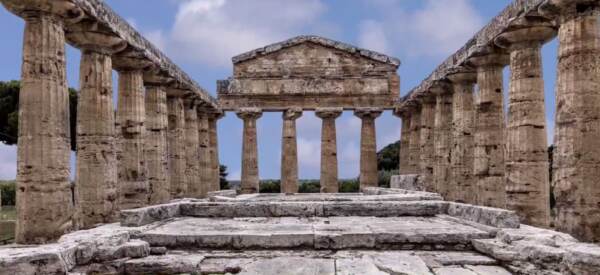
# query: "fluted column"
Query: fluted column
{"points": [[527, 178], [329, 161], [462, 183], [442, 136], [156, 144], [368, 146], [192, 151], [134, 190], [176, 145], [415, 140], [215, 165], [426, 160], [44, 204], [403, 157], [489, 130], [289, 152], [205, 165], [577, 130], [96, 196], [250, 176]]}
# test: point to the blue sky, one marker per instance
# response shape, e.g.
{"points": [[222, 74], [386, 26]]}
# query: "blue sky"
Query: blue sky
{"points": [[201, 36]]}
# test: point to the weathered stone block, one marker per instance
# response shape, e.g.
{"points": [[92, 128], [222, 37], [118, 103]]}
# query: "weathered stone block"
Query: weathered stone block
{"points": [[485, 215], [408, 182], [150, 214], [166, 264]]}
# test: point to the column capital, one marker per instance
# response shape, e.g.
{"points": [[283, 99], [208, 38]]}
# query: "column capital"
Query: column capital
{"points": [[62, 8], [463, 77], [154, 77], [90, 36], [325, 113], [440, 88], [292, 114], [249, 113], [368, 113], [123, 63], [401, 112], [526, 33], [215, 115], [567, 9], [495, 59]]}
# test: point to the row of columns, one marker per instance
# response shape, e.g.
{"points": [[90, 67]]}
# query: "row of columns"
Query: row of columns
{"points": [[289, 153], [152, 149], [480, 156]]}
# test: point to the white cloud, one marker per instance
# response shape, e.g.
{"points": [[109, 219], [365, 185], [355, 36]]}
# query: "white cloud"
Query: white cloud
{"points": [[371, 35], [438, 28], [8, 162], [309, 153], [212, 31]]}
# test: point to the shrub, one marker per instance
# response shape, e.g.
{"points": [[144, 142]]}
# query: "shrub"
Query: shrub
{"points": [[309, 186], [349, 186], [8, 189], [270, 186]]}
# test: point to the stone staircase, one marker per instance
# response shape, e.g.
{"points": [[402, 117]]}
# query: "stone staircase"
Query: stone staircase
{"points": [[379, 231]]}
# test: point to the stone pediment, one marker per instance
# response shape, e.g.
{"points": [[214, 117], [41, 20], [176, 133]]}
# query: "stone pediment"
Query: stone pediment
{"points": [[311, 72], [325, 42]]}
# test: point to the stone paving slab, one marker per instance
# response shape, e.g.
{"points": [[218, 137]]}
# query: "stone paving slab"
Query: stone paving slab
{"points": [[316, 232]]}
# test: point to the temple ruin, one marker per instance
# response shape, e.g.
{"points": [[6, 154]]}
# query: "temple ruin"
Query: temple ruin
{"points": [[472, 197]]}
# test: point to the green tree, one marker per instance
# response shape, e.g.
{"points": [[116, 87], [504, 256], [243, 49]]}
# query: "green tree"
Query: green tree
{"points": [[9, 113], [8, 192], [388, 157], [270, 186], [309, 186], [223, 182]]}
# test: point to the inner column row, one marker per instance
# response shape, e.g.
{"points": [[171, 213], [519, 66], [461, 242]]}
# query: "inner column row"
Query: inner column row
{"points": [[289, 155]]}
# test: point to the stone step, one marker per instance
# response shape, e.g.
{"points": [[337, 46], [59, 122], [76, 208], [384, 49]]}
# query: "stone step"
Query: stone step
{"points": [[314, 233], [348, 262]]}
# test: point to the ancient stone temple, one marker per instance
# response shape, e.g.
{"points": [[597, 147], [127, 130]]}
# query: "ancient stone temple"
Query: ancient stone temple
{"points": [[472, 197]]}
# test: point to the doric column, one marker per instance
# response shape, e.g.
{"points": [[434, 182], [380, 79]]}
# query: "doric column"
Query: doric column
{"points": [[44, 200], [96, 196], [176, 145], [462, 183], [368, 146], [192, 151], [289, 152], [133, 189], [426, 160], [415, 139], [526, 160], [403, 157], [250, 176], [329, 162], [442, 136], [205, 165], [489, 130], [157, 124], [215, 174], [577, 130]]}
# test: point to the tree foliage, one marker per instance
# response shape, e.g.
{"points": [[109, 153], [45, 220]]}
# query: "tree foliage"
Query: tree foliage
{"points": [[388, 157], [8, 188], [223, 182], [9, 113]]}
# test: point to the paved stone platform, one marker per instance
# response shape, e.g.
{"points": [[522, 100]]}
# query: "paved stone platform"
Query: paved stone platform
{"points": [[314, 233], [310, 234]]}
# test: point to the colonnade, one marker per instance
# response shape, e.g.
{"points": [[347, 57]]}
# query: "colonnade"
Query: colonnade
{"points": [[289, 152], [481, 155], [134, 156]]}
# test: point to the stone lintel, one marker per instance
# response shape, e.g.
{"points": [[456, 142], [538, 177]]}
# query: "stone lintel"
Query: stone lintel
{"points": [[98, 12], [441, 88]]}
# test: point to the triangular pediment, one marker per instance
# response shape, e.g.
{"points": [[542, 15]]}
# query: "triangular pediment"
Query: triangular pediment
{"points": [[324, 42]]}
